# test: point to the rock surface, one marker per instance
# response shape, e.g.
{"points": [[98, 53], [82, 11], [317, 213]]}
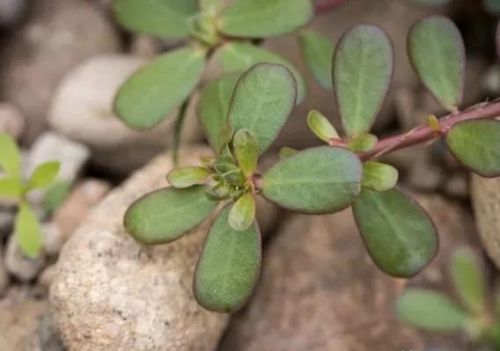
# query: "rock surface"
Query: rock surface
{"points": [[11, 11], [19, 265], [11, 120], [4, 277], [486, 201], [112, 293], [320, 291], [59, 35]]}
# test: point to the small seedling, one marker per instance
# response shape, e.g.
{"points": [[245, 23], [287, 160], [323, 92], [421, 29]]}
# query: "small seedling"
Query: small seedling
{"points": [[474, 315], [243, 115], [13, 187]]}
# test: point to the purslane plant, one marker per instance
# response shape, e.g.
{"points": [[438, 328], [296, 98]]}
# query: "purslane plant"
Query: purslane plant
{"points": [[433, 311], [13, 187], [247, 116]]}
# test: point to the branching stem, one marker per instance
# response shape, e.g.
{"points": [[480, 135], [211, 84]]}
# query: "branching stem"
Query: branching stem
{"points": [[425, 133]]}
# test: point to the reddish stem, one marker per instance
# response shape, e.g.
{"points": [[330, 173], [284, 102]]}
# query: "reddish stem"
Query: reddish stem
{"points": [[323, 6], [425, 133]]}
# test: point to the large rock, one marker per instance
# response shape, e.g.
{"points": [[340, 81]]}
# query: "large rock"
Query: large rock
{"points": [[320, 291], [112, 293], [82, 110], [486, 201], [59, 35]]}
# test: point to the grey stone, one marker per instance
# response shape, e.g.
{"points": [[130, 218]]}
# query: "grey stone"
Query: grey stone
{"points": [[11, 11], [11, 120], [20, 266]]}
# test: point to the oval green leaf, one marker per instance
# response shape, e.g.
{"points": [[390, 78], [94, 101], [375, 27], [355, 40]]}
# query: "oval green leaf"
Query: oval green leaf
{"points": [[242, 214], [213, 109], [238, 57], [161, 18], [55, 196], [379, 176], [28, 233], [398, 233], [317, 51], [468, 279], [43, 175], [362, 143], [317, 180], [185, 177], [229, 266], [11, 188], [437, 52], [321, 126], [430, 310], [165, 215], [151, 93], [362, 71], [246, 151], [264, 18], [476, 144], [262, 101], [10, 159]]}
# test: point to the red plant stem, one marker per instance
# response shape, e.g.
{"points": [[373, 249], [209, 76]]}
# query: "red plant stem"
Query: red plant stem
{"points": [[424, 133], [323, 6]]}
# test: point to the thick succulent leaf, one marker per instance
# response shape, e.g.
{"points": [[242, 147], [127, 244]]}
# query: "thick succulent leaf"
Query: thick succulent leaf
{"points": [[242, 214], [263, 99], [317, 51], [246, 151], [430, 310], [362, 143], [43, 175], [321, 126], [264, 18], [185, 177], [476, 144], [166, 214], [286, 152], [213, 109], [220, 191], [397, 232], [468, 279], [229, 266], [161, 18], [362, 71], [437, 52], [238, 57], [317, 180], [10, 160], [150, 94], [11, 188], [379, 176], [28, 233]]}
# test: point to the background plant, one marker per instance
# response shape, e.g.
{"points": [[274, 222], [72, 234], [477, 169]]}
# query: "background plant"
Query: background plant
{"points": [[476, 314], [15, 188]]}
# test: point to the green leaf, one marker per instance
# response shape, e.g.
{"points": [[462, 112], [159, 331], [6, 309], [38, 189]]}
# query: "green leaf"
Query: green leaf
{"points": [[185, 177], [317, 180], [263, 99], [246, 151], [397, 232], [220, 191], [55, 196], [362, 143], [321, 126], [379, 176], [162, 18], [212, 6], [286, 152], [150, 94], [242, 214], [28, 233], [430, 310], [265, 18], [239, 57], [476, 144], [468, 279], [10, 160], [363, 65], [43, 175], [166, 214], [229, 266], [437, 52], [318, 51], [11, 188], [213, 109]]}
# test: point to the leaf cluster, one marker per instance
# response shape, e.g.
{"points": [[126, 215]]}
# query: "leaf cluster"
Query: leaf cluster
{"points": [[14, 188]]}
